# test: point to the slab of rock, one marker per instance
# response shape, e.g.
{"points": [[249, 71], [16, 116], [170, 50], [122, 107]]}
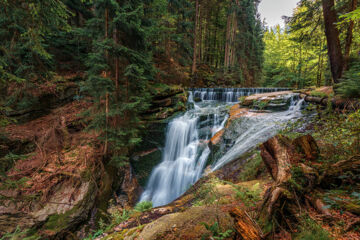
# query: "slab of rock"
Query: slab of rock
{"points": [[264, 97]]}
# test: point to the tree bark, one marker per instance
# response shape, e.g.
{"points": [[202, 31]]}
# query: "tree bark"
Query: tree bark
{"points": [[107, 31], [349, 36], [227, 43], [340, 103], [117, 88], [193, 69], [246, 228], [333, 41]]}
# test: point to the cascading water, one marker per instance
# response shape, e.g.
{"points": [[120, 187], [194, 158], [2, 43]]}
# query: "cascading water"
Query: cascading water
{"points": [[229, 94], [254, 130], [186, 149]]}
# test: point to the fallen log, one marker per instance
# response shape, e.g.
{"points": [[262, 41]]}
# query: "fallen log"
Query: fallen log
{"points": [[246, 228], [338, 103]]}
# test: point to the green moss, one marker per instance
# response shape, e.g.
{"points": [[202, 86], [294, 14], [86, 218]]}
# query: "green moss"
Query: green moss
{"points": [[59, 222], [26, 234], [318, 94], [252, 168]]}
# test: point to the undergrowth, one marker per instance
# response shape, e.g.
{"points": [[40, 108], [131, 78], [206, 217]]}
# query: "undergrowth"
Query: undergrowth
{"points": [[207, 193], [310, 230], [216, 232], [117, 217], [252, 168], [247, 195]]}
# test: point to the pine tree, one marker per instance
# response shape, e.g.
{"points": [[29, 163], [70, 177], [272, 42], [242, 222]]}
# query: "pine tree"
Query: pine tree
{"points": [[119, 70], [24, 26]]}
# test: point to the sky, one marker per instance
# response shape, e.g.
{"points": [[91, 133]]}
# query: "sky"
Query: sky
{"points": [[273, 10]]}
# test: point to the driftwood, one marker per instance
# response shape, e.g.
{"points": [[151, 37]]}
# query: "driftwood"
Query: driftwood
{"points": [[339, 103]]}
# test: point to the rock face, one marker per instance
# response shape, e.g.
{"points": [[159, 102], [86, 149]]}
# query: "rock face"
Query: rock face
{"points": [[264, 97], [55, 186], [40, 100], [167, 101], [269, 101], [56, 175]]}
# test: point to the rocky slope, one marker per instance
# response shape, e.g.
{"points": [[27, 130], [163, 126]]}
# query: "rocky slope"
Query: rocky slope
{"points": [[54, 175]]}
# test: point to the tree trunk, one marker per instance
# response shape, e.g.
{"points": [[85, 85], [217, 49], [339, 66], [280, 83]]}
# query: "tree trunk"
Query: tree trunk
{"points": [[333, 41], [339, 103], [227, 43], [107, 31], [193, 69], [233, 37], [106, 122], [117, 88], [319, 72], [349, 35]]}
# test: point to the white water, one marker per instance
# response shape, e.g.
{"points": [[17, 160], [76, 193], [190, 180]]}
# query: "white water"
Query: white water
{"points": [[229, 94], [258, 129], [185, 154], [186, 149]]}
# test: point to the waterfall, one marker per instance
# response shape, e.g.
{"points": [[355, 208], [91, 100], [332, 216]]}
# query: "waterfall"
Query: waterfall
{"points": [[185, 153], [186, 148], [229, 94]]}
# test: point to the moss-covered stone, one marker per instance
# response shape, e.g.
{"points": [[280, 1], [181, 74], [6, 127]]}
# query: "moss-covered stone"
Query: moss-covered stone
{"points": [[59, 223]]}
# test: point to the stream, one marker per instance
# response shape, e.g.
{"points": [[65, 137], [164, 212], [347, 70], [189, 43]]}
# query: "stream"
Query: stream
{"points": [[186, 150]]}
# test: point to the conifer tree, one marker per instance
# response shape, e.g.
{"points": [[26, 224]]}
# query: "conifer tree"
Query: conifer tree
{"points": [[24, 26], [119, 70]]}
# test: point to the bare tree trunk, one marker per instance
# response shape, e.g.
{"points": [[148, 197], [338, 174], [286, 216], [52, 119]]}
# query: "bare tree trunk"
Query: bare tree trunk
{"points": [[117, 89], [333, 41], [106, 122], [193, 69], [227, 41], [107, 31], [349, 36], [318, 75], [233, 36], [200, 36]]}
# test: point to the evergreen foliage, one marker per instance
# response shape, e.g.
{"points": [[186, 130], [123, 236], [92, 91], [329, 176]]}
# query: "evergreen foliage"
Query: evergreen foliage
{"points": [[120, 92], [23, 29]]}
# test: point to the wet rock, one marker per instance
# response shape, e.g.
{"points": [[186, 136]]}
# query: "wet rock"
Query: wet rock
{"points": [[64, 210], [144, 162], [264, 97]]}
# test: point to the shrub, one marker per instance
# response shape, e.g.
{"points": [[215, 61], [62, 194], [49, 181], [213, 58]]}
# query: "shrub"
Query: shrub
{"points": [[310, 230], [143, 206]]}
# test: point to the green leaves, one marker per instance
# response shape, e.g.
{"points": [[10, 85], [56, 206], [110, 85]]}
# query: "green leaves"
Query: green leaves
{"points": [[216, 231], [351, 16]]}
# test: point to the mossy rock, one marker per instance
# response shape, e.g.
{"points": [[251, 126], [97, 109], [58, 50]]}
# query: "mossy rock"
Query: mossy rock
{"points": [[59, 224], [188, 224]]}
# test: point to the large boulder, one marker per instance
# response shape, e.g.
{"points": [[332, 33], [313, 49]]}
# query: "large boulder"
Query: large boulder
{"points": [[188, 224]]}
